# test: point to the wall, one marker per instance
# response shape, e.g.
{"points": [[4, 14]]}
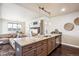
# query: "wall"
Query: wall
{"points": [[0, 20], [0, 10], [4, 26], [69, 37], [0, 26]]}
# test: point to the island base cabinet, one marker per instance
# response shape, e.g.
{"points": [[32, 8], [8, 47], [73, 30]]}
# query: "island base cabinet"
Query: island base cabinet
{"points": [[40, 48]]}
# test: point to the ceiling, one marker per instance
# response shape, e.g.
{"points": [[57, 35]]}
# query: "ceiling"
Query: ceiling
{"points": [[53, 8]]}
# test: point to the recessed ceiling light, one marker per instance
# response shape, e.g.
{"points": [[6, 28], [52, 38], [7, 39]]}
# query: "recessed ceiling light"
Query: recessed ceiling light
{"points": [[63, 9]]}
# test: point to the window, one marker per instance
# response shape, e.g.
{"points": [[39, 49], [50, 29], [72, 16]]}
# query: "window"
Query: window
{"points": [[9, 27], [14, 27]]}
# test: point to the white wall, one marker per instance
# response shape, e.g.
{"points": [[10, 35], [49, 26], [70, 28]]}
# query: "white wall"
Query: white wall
{"points": [[0, 21], [69, 37], [0, 10], [4, 26], [0, 26]]}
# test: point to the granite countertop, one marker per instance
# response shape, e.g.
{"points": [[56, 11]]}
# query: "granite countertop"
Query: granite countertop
{"points": [[30, 40]]}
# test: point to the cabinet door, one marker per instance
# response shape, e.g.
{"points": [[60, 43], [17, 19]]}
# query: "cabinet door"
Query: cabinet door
{"points": [[39, 50], [49, 45], [30, 53], [58, 40], [53, 43], [42, 50]]}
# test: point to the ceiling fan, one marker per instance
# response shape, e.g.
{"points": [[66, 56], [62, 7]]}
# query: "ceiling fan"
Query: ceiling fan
{"points": [[43, 9]]}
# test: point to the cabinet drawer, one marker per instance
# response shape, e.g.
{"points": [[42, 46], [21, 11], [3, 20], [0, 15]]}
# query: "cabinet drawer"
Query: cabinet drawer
{"points": [[39, 44], [42, 49], [53, 44], [44, 41], [30, 53], [39, 50], [44, 46], [29, 47], [42, 54], [49, 45]]}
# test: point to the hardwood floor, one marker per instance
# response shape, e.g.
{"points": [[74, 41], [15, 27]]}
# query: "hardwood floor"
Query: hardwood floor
{"points": [[64, 50]]}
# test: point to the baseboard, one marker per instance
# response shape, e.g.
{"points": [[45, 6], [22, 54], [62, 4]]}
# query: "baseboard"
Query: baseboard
{"points": [[70, 45]]}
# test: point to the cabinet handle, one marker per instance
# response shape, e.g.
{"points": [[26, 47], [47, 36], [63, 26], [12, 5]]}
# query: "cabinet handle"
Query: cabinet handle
{"points": [[29, 47]]}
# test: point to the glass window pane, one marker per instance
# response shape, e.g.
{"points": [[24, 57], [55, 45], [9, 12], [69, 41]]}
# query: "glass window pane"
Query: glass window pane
{"points": [[19, 26], [14, 25], [9, 25]]}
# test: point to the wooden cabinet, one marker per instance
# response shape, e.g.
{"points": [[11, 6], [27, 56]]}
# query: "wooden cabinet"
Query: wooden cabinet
{"points": [[58, 40], [40, 48], [51, 44]]}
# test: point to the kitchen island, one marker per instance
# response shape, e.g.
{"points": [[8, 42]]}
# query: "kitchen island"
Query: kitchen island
{"points": [[40, 45]]}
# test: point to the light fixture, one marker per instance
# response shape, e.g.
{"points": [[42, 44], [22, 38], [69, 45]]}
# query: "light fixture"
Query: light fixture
{"points": [[43, 9], [63, 9]]}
